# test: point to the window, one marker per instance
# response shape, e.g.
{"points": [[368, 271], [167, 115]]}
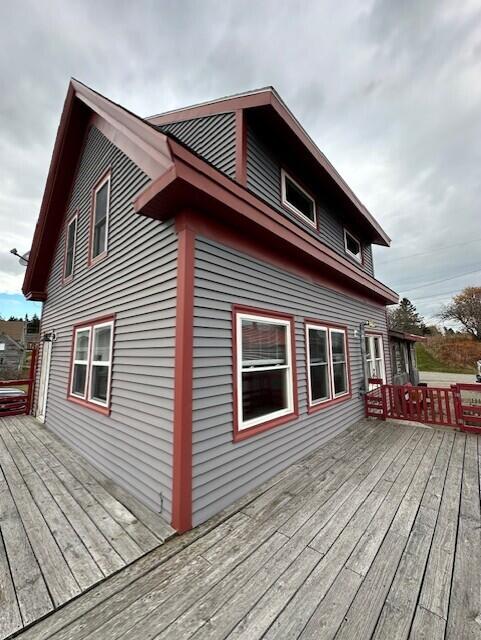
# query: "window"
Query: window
{"points": [[92, 363], [2, 346], [352, 246], [264, 369], [70, 248], [296, 199], [100, 218], [375, 357], [327, 363]]}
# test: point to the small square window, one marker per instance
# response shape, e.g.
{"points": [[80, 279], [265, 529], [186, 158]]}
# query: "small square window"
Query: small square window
{"points": [[295, 198], [352, 246]]}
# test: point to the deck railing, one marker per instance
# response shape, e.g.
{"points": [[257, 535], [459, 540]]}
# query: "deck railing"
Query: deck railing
{"points": [[456, 406], [15, 405]]}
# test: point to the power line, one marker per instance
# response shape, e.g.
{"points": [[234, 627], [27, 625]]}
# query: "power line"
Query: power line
{"points": [[427, 253], [427, 284]]}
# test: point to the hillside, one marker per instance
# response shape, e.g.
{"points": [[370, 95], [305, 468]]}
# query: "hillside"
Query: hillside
{"points": [[450, 354]]}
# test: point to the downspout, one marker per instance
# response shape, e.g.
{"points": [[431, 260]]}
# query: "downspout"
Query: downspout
{"points": [[362, 334]]}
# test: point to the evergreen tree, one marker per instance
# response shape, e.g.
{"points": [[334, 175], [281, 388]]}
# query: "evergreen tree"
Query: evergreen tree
{"points": [[404, 317]]}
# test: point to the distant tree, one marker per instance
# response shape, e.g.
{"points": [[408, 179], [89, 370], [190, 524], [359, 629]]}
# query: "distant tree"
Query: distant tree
{"points": [[404, 317], [34, 324], [465, 309], [432, 330]]}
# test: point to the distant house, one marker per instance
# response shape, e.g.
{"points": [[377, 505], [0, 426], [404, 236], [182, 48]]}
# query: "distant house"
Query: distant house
{"points": [[16, 329], [207, 282], [11, 356], [402, 347]]}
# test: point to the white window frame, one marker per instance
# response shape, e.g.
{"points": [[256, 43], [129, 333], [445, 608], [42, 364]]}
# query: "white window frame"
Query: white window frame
{"points": [[73, 220], [78, 330], [290, 206], [346, 362], [100, 363], [97, 188], [370, 357], [287, 323], [357, 257], [318, 327]]}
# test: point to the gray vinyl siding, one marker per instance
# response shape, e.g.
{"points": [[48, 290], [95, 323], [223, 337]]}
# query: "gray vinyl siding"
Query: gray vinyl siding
{"points": [[137, 283], [222, 470], [212, 137], [264, 179]]}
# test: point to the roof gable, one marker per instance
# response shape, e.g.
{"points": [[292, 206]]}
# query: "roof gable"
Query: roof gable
{"points": [[268, 99]]}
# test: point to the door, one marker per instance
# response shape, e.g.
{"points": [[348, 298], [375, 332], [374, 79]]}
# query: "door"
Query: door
{"points": [[44, 379], [375, 358]]}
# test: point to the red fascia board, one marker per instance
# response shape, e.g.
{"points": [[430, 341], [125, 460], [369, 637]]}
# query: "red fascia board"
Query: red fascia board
{"points": [[82, 107], [269, 97], [195, 184]]}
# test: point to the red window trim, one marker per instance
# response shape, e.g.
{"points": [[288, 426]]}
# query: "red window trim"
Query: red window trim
{"points": [[242, 434], [84, 402], [106, 176], [318, 406], [75, 216]]}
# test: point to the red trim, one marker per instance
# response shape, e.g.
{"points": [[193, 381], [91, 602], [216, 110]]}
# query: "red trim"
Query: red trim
{"points": [[105, 177], [75, 216], [184, 341], [240, 147], [257, 248], [270, 99], [313, 408], [243, 434], [197, 183], [84, 402]]}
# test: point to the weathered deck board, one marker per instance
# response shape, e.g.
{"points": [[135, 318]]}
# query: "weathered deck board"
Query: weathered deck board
{"points": [[58, 535], [376, 538]]}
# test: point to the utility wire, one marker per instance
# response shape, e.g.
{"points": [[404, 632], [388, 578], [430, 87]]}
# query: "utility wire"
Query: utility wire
{"points": [[427, 253], [427, 284]]}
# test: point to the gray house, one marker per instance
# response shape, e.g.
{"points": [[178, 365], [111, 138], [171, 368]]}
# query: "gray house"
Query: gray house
{"points": [[402, 346], [11, 356], [208, 294]]}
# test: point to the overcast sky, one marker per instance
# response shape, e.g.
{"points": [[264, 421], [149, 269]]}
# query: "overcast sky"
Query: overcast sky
{"points": [[390, 91]]}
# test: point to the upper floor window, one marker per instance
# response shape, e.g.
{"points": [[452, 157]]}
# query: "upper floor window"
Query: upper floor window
{"points": [[352, 246], [295, 198], [100, 218], [91, 367], [264, 386], [70, 248]]}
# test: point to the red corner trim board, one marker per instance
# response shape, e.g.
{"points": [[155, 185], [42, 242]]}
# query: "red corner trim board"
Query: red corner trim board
{"points": [[182, 471]]}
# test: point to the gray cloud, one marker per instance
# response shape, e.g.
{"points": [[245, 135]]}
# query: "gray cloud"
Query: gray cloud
{"points": [[390, 91]]}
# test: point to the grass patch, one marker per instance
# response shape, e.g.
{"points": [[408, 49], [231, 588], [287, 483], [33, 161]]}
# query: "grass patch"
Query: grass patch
{"points": [[427, 362]]}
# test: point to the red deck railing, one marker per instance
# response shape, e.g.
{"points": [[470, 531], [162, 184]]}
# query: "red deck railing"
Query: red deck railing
{"points": [[14, 405], [457, 406]]}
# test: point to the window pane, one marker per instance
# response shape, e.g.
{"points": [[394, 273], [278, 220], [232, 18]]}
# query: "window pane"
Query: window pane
{"points": [[100, 376], [299, 200], [317, 345], [319, 382], [82, 346], [101, 203], [337, 346], [377, 347], [79, 378], [353, 245], [340, 378], [368, 348], [101, 350], [263, 392], [69, 263], [99, 238], [263, 344]]}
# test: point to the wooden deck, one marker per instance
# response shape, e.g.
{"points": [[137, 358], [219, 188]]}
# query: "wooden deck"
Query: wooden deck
{"points": [[376, 535], [63, 527]]}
